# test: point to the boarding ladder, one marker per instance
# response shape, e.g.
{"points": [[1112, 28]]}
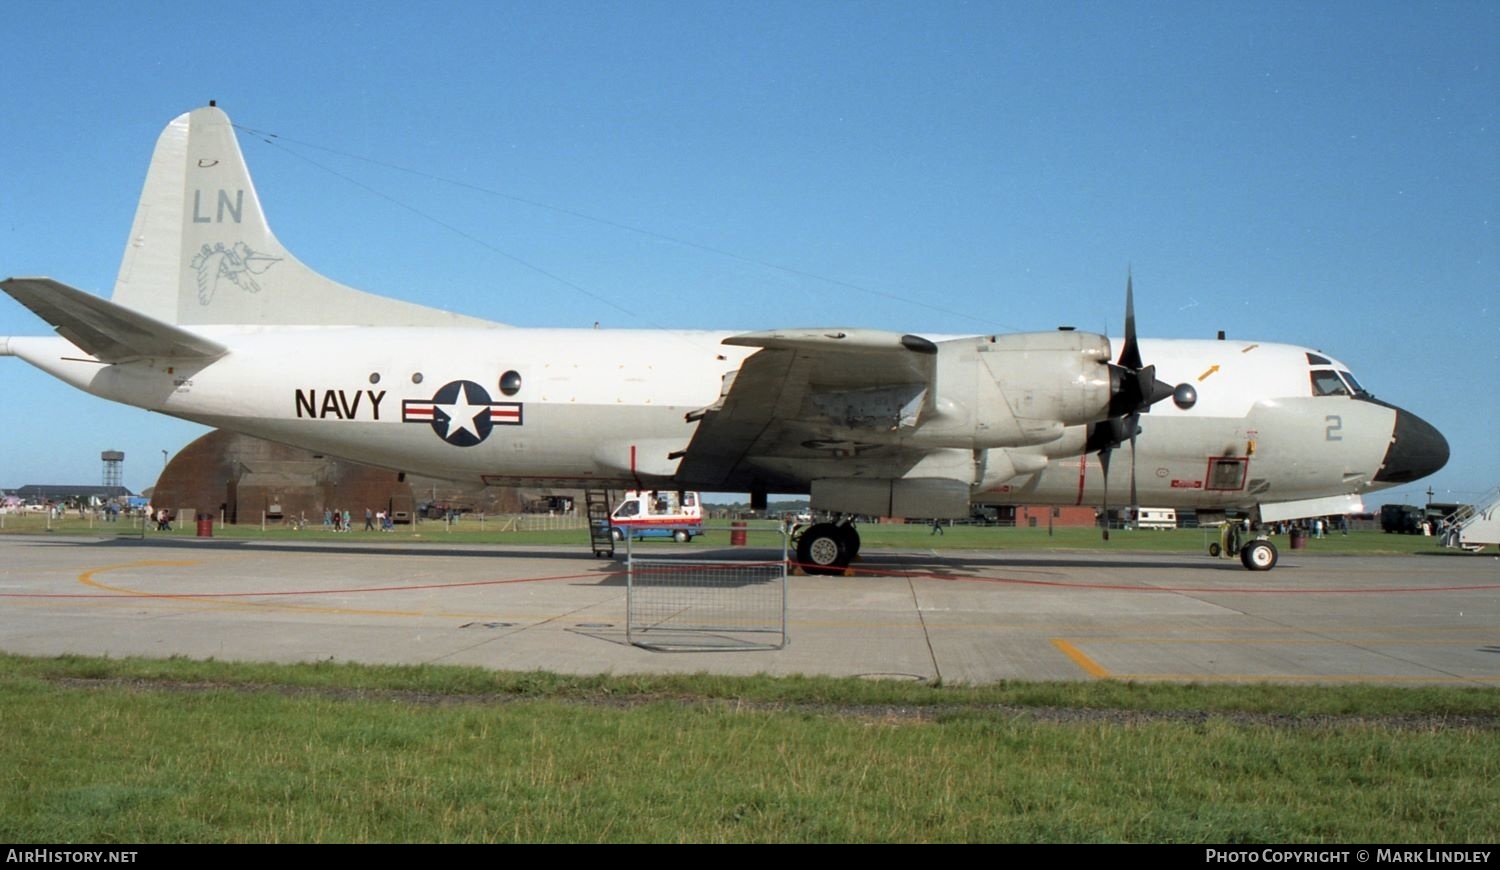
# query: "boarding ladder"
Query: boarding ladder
{"points": [[1472, 527], [600, 538]]}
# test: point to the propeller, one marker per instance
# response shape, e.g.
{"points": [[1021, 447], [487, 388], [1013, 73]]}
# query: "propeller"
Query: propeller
{"points": [[1134, 389]]}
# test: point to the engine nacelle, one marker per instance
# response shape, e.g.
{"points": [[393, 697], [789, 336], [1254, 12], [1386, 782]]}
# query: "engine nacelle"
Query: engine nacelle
{"points": [[1015, 390]]}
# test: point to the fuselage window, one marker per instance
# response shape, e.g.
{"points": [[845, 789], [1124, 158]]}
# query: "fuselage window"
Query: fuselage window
{"points": [[1327, 383]]}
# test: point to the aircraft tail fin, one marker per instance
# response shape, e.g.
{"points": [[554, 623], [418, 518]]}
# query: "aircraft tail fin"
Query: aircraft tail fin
{"points": [[200, 250], [112, 333]]}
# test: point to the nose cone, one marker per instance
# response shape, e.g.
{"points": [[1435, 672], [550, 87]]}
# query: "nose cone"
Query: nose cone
{"points": [[1417, 450]]}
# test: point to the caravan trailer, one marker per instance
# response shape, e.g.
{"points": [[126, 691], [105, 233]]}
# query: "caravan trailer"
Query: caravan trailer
{"points": [[1156, 518]]}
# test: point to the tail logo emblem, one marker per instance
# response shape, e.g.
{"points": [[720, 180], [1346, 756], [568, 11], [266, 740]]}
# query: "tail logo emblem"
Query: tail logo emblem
{"points": [[461, 413], [238, 265]]}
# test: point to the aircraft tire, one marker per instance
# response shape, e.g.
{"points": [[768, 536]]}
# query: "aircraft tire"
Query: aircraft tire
{"points": [[617, 534], [822, 550], [1259, 555], [681, 536], [851, 540]]}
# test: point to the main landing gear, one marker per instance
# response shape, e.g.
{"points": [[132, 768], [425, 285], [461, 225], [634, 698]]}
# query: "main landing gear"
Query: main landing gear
{"points": [[827, 548]]}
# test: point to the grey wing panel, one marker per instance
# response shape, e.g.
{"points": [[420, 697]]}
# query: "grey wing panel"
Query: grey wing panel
{"points": [[112, 333], [754, 401], [797, 408]]}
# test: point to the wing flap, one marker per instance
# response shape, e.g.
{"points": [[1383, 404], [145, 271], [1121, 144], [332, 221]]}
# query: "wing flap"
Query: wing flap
{"points": [[797, 399], [110, 332]]}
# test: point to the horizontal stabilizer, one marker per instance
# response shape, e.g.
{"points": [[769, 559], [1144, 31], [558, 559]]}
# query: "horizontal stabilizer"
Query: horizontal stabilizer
{"points": [[110, 332]]}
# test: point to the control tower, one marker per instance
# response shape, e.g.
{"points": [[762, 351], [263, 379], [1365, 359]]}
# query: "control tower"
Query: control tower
{"points": [[114, 460]]}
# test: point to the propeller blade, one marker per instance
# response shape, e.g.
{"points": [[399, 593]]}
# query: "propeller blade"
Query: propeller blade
{"points": [[1135, 502], [1134, 389], [1104, 464], [1130, 354]]}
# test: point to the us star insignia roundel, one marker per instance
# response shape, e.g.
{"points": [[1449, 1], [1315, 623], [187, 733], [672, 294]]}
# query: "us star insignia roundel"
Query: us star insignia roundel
{"points": [[461, 413]]}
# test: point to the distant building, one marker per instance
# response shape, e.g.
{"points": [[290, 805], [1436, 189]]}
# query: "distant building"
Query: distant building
{"points": [[245, 479], [1031, 516], [39, 493]]}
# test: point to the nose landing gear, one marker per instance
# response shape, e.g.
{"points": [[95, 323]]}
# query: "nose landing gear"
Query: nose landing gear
{"points": [[1256, 554]]}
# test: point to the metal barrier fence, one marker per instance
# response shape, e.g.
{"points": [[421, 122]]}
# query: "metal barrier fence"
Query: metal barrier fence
{"points": [[696, 605], [94, 521], [531, 522]]}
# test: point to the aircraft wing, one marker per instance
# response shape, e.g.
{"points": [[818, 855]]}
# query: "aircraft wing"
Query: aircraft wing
{"points": [[110, 332], [806, 397]]}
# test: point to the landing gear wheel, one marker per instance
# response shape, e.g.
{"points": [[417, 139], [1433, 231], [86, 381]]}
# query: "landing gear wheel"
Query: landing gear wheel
{"points": [[851, 540], [822, 550], [681, 536], [1259, 556], [617, 534]]}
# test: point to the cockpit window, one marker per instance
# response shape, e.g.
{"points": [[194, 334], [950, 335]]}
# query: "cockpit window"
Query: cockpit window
{"points": [[1327, 383], [1314, 359], [1354, 385]]}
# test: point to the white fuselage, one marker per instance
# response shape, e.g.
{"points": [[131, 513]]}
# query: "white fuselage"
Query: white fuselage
{"points": [[608, 408], [213, 320]]}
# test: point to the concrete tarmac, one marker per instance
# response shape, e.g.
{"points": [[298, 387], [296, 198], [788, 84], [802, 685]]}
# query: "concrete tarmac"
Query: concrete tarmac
{"points": [[962, 617]]}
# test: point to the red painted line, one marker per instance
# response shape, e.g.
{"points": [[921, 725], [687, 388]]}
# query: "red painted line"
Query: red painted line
{"points": [[673, 522], [872, 572], [1121, 587], [424, 586]]}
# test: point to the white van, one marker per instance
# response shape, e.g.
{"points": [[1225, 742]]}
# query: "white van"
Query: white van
{"points": [[659, 513], [1156, 518]]}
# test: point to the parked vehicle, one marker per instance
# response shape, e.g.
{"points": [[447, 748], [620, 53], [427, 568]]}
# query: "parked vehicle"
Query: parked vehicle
{"points": [[1405, 519], [657, 513], [1155, 518]]}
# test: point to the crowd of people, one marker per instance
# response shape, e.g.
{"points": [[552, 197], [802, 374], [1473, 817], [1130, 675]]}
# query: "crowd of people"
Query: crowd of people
{"points": [[343, 521]]}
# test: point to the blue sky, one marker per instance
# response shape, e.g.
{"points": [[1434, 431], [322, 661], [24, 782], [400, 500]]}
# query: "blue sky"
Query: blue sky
{"points": [[1325, 174]]}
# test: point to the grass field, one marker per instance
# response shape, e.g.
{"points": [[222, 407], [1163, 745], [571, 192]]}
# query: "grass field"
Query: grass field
{"points": [[473, 530], [96, 750], [141, 751]]}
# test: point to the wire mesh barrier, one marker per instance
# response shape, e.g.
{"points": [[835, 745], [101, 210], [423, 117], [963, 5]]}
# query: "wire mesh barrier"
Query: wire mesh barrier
{"points": [[89, 521], [699, 604], [536, 522]]}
